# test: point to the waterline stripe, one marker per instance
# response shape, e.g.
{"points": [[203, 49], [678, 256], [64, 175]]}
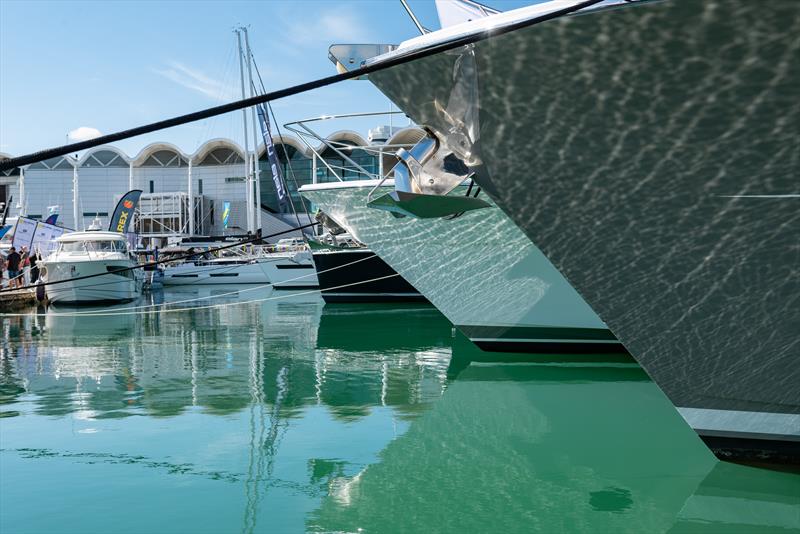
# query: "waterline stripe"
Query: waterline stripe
{"points": [[540, 340], [742, 423], [554, 333]]}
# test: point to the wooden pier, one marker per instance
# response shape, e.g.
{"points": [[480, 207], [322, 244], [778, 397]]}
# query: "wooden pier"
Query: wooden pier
{"points": [[15, 300]]}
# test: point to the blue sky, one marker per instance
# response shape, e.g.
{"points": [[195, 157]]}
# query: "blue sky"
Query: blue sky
{"points": [[117, 64]]}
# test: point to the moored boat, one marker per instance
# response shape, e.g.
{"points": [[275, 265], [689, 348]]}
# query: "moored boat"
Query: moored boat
{"points": [[660, 140], [357, 274], [479, 270], [91, 267], [284, 270]]}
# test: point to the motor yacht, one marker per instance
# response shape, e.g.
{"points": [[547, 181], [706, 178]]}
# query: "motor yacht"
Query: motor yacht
{"points": [[101, 264]]}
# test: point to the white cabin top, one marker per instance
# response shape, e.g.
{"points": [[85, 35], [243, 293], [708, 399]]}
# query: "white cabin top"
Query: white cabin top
{"points": [[90, 236]]}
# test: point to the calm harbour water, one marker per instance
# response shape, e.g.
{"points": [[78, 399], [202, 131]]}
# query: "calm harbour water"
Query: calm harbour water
{"points": [[287, 415]]}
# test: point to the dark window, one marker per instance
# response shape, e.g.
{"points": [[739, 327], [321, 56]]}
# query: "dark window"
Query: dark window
{"points": [[95, 214], [152, 187], [199, 187]]}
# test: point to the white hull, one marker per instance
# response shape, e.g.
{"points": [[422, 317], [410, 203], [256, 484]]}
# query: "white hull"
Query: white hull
{"points": [[124, 286], [292, 271], [212, 273], [280, 269], [479, 269]]}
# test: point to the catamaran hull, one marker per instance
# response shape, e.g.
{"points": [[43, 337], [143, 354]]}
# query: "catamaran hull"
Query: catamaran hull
{"points": [[481, 272], [660, 141], [118, 287], [358, 275]]}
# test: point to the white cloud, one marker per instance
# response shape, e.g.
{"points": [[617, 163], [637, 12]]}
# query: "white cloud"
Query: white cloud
{"points": [[84, 133], [329, 27], [198, 81]]}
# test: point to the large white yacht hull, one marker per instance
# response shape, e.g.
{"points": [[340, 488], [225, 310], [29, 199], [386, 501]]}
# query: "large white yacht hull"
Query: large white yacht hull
{"points": [[480, 271], [108, 287], [652, 153]]}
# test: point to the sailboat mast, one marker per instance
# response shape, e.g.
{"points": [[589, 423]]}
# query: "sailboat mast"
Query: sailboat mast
{"points": [[256, 166], [75, 207], [248, 174]]}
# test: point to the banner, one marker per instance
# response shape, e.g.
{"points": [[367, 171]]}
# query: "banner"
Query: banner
{"points": [[44, 238], [4, 230], [274, 163], [226, 213], [36, 236], [24, 232], [123, 213]]}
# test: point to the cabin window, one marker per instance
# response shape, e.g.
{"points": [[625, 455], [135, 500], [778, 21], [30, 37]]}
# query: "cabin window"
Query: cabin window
{"points": [[152, 186], [107, 246], [73, 246], [199, 187]]}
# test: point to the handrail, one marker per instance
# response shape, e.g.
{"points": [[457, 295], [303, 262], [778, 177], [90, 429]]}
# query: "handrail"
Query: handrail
{"points": [[301, 129]]}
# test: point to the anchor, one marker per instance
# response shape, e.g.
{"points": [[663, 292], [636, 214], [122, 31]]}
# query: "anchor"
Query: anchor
{"points": [[423, 178]]}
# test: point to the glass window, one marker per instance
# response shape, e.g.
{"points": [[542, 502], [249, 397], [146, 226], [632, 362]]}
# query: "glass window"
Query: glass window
{"points": [[72, 246]]}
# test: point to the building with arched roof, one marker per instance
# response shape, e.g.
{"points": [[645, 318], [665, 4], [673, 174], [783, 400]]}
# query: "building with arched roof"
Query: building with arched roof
{"points": [[212, 177], [8, 180]]}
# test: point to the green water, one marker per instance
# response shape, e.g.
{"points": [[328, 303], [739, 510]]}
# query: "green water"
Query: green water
{"points": [[286, 415]]}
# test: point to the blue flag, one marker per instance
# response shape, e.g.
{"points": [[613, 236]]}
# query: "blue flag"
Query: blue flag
{"points": [[124, 211], [266, 132], [3, 230]]}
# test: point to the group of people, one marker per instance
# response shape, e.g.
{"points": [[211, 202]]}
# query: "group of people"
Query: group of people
{"points": [[14, 266]]}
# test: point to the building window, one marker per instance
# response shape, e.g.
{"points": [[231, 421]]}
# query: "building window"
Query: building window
{"points": [[199, 187], [95, 214], [152, 187]]}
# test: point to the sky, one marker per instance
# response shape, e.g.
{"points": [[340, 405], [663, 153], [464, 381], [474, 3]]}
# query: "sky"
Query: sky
{"points": [[104, 66]]}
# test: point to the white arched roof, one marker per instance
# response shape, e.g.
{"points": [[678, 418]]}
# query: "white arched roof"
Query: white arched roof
{"points": [[104, 148], [347, 135], [152, 148], [212, 145], [288, 140], [49, 163]]}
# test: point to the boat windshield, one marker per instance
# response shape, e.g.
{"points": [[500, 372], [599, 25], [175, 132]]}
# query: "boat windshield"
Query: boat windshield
{"points": [[93, 246], [107, 246]]}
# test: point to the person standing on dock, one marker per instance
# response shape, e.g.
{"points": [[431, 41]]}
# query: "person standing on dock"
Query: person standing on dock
{"points": [[32, 260], [13, 260]]}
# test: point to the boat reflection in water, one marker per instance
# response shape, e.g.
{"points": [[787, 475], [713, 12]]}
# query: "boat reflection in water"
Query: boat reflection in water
{"points": [[285, 415]]}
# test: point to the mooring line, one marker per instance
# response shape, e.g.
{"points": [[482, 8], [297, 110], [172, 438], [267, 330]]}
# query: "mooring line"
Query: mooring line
{"points": [[238, 291], [210, 306]]}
